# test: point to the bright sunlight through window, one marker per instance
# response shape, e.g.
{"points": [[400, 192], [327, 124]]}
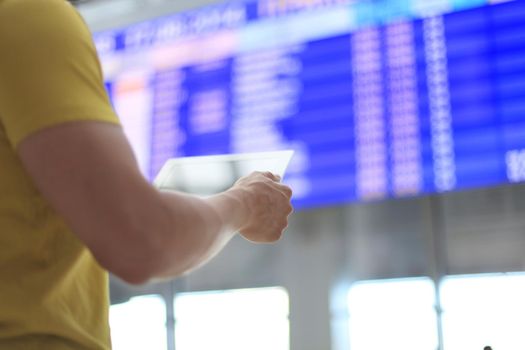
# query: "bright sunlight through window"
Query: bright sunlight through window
{"points": [[393, 314], [484, 310], [139, 324], [255, 319]]}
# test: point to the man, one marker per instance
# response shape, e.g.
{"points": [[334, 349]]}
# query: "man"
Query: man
{"points": [[73, 203]]}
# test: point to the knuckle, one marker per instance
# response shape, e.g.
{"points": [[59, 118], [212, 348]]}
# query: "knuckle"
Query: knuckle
{"points": [[256, 176], [265, 175], [272, 190], [261, 186], [287, 190]]}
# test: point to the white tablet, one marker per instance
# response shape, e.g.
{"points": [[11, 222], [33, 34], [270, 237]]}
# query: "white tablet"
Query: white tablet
{"points": [[207, 175]]}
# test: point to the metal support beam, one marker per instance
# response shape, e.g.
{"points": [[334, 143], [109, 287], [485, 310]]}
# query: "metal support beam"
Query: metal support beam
{"points": [[436, 252]]}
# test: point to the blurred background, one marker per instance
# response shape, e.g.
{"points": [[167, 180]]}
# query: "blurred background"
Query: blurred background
{"points": [[407, 118]]}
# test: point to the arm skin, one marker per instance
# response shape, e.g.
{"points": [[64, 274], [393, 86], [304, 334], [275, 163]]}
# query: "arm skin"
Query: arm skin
{"points": [[87, 172]]}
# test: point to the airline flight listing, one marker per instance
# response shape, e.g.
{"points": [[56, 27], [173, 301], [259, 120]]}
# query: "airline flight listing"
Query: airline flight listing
{"points": [[378, 99]]}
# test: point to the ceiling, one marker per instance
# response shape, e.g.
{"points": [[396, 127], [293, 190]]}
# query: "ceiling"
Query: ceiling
{"points": [[107, 14]]}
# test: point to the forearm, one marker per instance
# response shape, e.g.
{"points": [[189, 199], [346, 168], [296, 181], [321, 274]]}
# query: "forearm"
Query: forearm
{"points": [[199, 229]]}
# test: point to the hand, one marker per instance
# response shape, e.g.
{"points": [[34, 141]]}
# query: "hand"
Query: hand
{"points": [[265, 204]]}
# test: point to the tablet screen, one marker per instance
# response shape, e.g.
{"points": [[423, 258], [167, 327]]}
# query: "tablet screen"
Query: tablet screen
{"points": [[209, 175]]}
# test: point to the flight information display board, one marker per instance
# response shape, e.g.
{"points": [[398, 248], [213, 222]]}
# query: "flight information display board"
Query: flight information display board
{"points": [[379, 99]]}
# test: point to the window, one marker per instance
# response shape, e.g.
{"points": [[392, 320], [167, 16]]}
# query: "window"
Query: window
{"points": [[255, 319], [483, 310], [393, 314], [139, 324]]}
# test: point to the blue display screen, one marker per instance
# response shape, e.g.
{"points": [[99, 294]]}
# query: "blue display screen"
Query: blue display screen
{"points": [[379, 99]]}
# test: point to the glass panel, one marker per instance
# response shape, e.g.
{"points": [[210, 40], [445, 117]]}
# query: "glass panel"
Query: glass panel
{"points": [[393, 314], [483, 310], [255, 319], [139, 324]]}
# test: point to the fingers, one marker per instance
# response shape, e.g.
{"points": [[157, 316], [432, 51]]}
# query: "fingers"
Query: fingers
{"points": [[286, 190], [271, 176], [270, 206], [284, 204]]}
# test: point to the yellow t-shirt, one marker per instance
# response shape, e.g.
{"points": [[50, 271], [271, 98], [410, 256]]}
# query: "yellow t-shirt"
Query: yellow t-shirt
{"points": [[53, 294]]}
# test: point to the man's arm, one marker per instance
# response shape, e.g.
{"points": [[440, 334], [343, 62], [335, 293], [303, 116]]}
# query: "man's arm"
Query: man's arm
{"points": [[57, 115], [88, 173]]}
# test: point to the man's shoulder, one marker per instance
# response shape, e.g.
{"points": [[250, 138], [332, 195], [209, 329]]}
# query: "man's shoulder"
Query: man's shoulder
{"points": [[39, 21], [25, 6], [30, 12]]}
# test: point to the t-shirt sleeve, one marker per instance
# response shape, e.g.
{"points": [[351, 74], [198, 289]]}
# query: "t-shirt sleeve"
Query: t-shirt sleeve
{"points": [[49, 69]]}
